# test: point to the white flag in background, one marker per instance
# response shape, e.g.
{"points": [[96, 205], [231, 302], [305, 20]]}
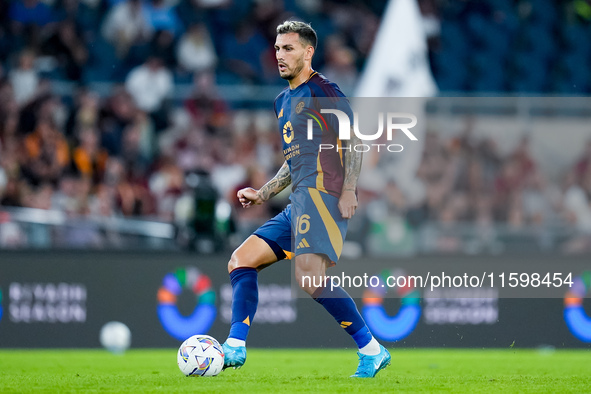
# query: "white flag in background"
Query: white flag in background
{"points": [[398, 66]]}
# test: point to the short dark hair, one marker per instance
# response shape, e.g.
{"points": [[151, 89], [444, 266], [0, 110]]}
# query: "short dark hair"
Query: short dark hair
{"points": [[307, 34]]}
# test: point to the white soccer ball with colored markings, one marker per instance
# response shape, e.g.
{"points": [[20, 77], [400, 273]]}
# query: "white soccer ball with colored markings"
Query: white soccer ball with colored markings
{"points": [[200, 355]]}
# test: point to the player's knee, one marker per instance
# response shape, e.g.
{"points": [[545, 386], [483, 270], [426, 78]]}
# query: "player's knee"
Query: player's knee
{"points": [[308, 280], [241, 260], [304, 281], [234, 262], [310, 271]]}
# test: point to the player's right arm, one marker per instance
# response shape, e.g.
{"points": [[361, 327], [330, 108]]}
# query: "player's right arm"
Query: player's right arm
{"points": [[280, 181]]}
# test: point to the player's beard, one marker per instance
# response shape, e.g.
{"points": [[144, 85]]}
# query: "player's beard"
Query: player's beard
{"points": [[296, 71]]}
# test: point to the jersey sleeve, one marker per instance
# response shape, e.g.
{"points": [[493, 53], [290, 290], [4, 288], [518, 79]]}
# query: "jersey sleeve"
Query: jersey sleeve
{"points": [[275, 107], [332, 98]]}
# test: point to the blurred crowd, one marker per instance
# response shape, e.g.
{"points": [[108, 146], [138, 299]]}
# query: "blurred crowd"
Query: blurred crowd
{"points": [[128, 153], [108, 156], [136, 152], [104, 40], [466, 180]]}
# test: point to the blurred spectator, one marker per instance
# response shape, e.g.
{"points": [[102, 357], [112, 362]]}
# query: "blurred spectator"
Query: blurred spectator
{"points": [[68, 49], [118, 112], [206, 107], [10, 160], [162, 46], [243, 51], [359, 27], [125, 25], [27, 18], [3, 181], [162, 16], [195, 50], [192, 151], [44, 107], [228, 172], [539, 200], [85, 113], [101, 207], [10, 157], [266, 14], [102, 204], [437, 170], [212, 3], [577, 204], [38, 197], [507, 184], [137, 148], [166, 185], [248, 220], [88, 158], [86, 14], [64, 198], [340, 67], [9, 110], [114, 3], [149, 85], [76, 194], [24, 79], [5, 40], [122, 191], [47, 154], [490, 160], [577, 208], [583, 164], [12, 193], [268, 153], [524, 159]]}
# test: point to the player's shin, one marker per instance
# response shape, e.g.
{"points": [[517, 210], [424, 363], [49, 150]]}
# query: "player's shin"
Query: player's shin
{"points": [[341, 306], [245, 298]]}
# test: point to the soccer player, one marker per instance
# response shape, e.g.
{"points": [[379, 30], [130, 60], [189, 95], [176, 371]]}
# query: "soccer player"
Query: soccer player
{"points": [[322, 198]]}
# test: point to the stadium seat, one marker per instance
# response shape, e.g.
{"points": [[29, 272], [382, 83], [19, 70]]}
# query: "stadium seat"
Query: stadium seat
{"points": [[538, 39], [529, 72], [103, 61], [451, 70], [572, 73], [544, 12], [453, 37], [575, 38], [505, 6], [484, 77]]}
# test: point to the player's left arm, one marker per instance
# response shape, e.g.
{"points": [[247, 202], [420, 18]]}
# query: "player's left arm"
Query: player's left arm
{"points": [[348, 200]]}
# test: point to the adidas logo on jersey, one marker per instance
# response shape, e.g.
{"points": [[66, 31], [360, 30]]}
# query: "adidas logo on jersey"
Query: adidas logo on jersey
{"points": [[303, 244]]}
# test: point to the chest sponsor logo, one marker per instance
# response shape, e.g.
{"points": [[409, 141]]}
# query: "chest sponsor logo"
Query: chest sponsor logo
{"points": [[287, 133]]}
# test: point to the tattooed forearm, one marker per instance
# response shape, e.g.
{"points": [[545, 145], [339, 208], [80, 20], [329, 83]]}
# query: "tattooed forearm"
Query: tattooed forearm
{"points": [[352, 164], [279, 182]]}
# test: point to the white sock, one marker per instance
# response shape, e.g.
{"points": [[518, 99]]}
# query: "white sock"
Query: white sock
{"points": [[237, 342], [371, 349]]}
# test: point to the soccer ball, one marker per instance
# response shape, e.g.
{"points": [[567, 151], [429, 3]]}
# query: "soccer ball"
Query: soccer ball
{"points": [[115, 337], [200, 355]]}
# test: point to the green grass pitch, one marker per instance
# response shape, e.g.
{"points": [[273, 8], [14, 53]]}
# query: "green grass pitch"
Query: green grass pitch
{"points": [[286, 370]]}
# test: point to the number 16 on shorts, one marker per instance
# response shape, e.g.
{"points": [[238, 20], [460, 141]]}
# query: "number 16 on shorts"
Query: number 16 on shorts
{"points": [[303, 224]]}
